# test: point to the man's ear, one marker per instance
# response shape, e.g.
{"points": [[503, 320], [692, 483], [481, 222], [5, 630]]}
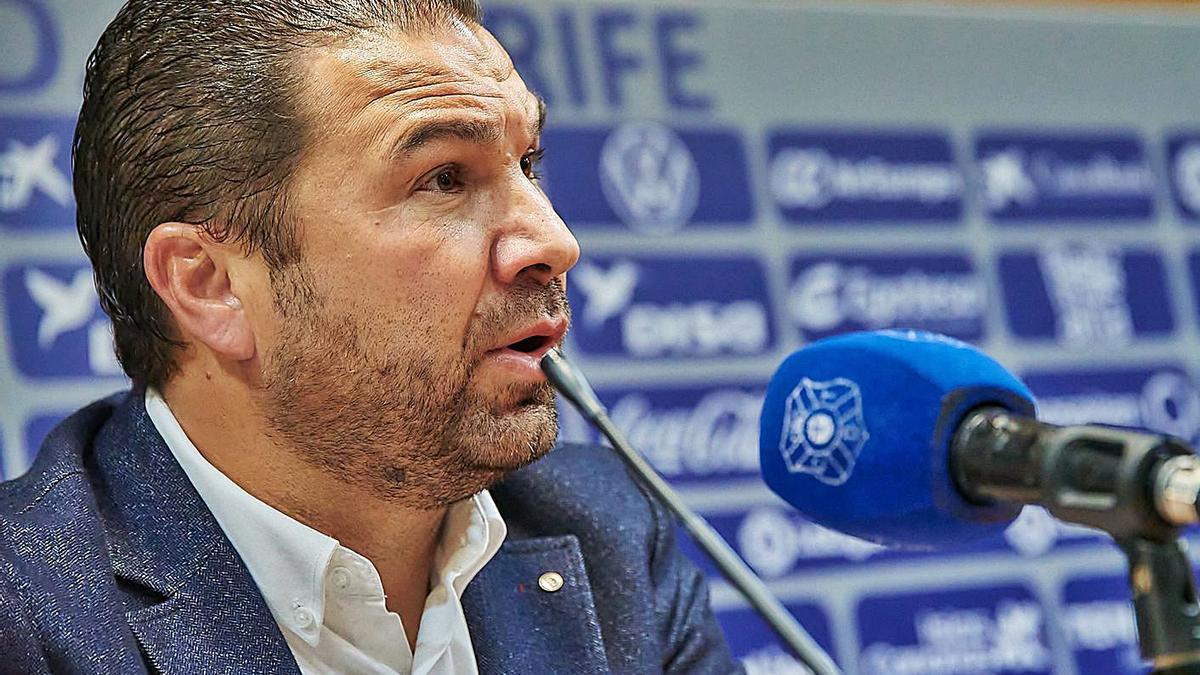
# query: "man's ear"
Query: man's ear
{"points": [[192, 274]]}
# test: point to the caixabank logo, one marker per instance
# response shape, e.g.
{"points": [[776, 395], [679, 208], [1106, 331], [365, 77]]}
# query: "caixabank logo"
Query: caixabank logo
{"points": [[31, 46], [647, 177], [827, 176], [1086, 295], [647, 307], [837, 293], [1031, 176], [55, 324], [35, 171]]}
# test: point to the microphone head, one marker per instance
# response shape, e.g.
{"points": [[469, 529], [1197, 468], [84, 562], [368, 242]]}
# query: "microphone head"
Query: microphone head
{"points": [[856, 431]]}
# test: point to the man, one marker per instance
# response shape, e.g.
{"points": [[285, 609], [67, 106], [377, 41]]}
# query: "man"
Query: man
{"points": [[317, 227]]}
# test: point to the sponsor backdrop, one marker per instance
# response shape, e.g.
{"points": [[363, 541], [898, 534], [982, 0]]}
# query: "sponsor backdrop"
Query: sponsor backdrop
{"points": [[746, 177]]}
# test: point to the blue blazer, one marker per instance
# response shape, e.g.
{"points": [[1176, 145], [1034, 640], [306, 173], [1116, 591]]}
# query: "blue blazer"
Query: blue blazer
{"points": [[111, 563]]}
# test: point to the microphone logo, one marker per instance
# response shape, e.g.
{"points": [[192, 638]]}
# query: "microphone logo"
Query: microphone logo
{"points": [[823, 429]]}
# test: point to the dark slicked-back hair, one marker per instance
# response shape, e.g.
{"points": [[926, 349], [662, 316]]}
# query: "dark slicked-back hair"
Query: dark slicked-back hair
{"points": [[190, 114]]}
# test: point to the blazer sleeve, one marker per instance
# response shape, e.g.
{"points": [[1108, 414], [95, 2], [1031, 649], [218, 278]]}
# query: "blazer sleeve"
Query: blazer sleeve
{"points": [[692, 640]]}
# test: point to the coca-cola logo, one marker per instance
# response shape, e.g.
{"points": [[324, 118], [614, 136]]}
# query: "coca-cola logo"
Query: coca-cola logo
{"points": [[717, 435]]}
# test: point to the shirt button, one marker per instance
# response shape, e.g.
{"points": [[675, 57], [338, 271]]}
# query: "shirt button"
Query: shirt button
{"points": [[340, 576], [304, 618], [550, 582]]}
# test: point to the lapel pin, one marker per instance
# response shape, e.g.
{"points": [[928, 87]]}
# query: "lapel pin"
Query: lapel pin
{"points": [[550, 582]]}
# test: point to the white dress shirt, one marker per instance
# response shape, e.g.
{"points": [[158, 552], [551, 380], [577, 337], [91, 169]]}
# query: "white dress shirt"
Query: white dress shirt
{"points": [[327, 599]]}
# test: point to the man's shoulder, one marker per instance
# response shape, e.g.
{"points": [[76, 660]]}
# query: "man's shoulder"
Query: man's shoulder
{"points": [[51, 543], [49, 520], [59, 467]]}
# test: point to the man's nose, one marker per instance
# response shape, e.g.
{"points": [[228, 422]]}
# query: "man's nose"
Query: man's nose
{"points": [[534, 242]]}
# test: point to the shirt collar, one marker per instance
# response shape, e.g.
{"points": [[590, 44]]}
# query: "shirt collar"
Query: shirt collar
{"points": [[471, 534], [288, 560]]}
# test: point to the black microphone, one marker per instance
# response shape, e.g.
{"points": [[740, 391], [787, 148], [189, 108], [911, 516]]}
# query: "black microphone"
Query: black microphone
{"points": [[1126, 482], [575, 388]]}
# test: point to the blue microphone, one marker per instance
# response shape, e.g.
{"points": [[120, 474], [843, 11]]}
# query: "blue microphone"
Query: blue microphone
{"points": [[916, 440], [856, 433]]}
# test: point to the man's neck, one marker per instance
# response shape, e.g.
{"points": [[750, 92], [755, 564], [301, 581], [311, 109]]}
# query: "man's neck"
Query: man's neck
{"points": [[401, 542]]}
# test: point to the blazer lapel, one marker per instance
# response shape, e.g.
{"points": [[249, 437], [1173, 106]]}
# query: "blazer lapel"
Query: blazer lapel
{"points": [[520, 626], [212, 625], [192, 606]]}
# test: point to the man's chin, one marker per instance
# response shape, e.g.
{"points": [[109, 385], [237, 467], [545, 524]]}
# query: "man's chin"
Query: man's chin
{"points": [[504, 442], [512, 398]]}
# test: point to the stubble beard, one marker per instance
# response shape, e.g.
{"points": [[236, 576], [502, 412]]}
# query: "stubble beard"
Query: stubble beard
{"points": [[408, 424]]}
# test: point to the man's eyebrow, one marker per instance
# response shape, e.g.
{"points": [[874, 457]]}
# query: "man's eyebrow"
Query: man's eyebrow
{"points": [[481, 132], [540, 123]]}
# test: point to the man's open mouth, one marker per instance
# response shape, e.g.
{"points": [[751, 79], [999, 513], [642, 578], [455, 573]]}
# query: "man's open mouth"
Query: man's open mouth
{"points": [[536, 338], [530, 344]]}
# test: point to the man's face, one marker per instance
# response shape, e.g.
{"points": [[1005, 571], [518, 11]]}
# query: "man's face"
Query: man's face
{"points": [[401, 353]]}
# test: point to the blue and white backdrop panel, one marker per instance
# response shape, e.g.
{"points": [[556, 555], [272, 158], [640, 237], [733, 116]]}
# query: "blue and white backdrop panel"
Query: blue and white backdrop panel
{"points": [[744, 177]]}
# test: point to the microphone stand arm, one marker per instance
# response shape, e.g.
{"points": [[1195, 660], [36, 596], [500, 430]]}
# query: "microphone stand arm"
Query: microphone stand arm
{"points": [[1110, 479], [1164, 602], [571, 384]]}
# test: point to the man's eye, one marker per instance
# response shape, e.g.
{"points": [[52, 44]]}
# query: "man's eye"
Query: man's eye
{"points": [[448, 179], [530, 163]]}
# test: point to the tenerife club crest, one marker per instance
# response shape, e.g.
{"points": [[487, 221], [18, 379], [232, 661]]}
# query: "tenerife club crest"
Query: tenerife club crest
{"points": [[649, 177], [823, 429]]}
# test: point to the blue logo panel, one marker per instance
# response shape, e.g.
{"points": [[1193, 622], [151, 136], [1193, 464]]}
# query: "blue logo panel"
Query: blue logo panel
{"points": [[1098, 621], [686, 307], [35, 172], [1194, 275], [55, 322], [689, 434], [981, 630], [1162, 398], [760, 651], [1086, 295], [1041, 176], [828, 176], [778, 542], [652, 178], [1183, 168], [35, 432], [30, 30], [839, 293]]}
